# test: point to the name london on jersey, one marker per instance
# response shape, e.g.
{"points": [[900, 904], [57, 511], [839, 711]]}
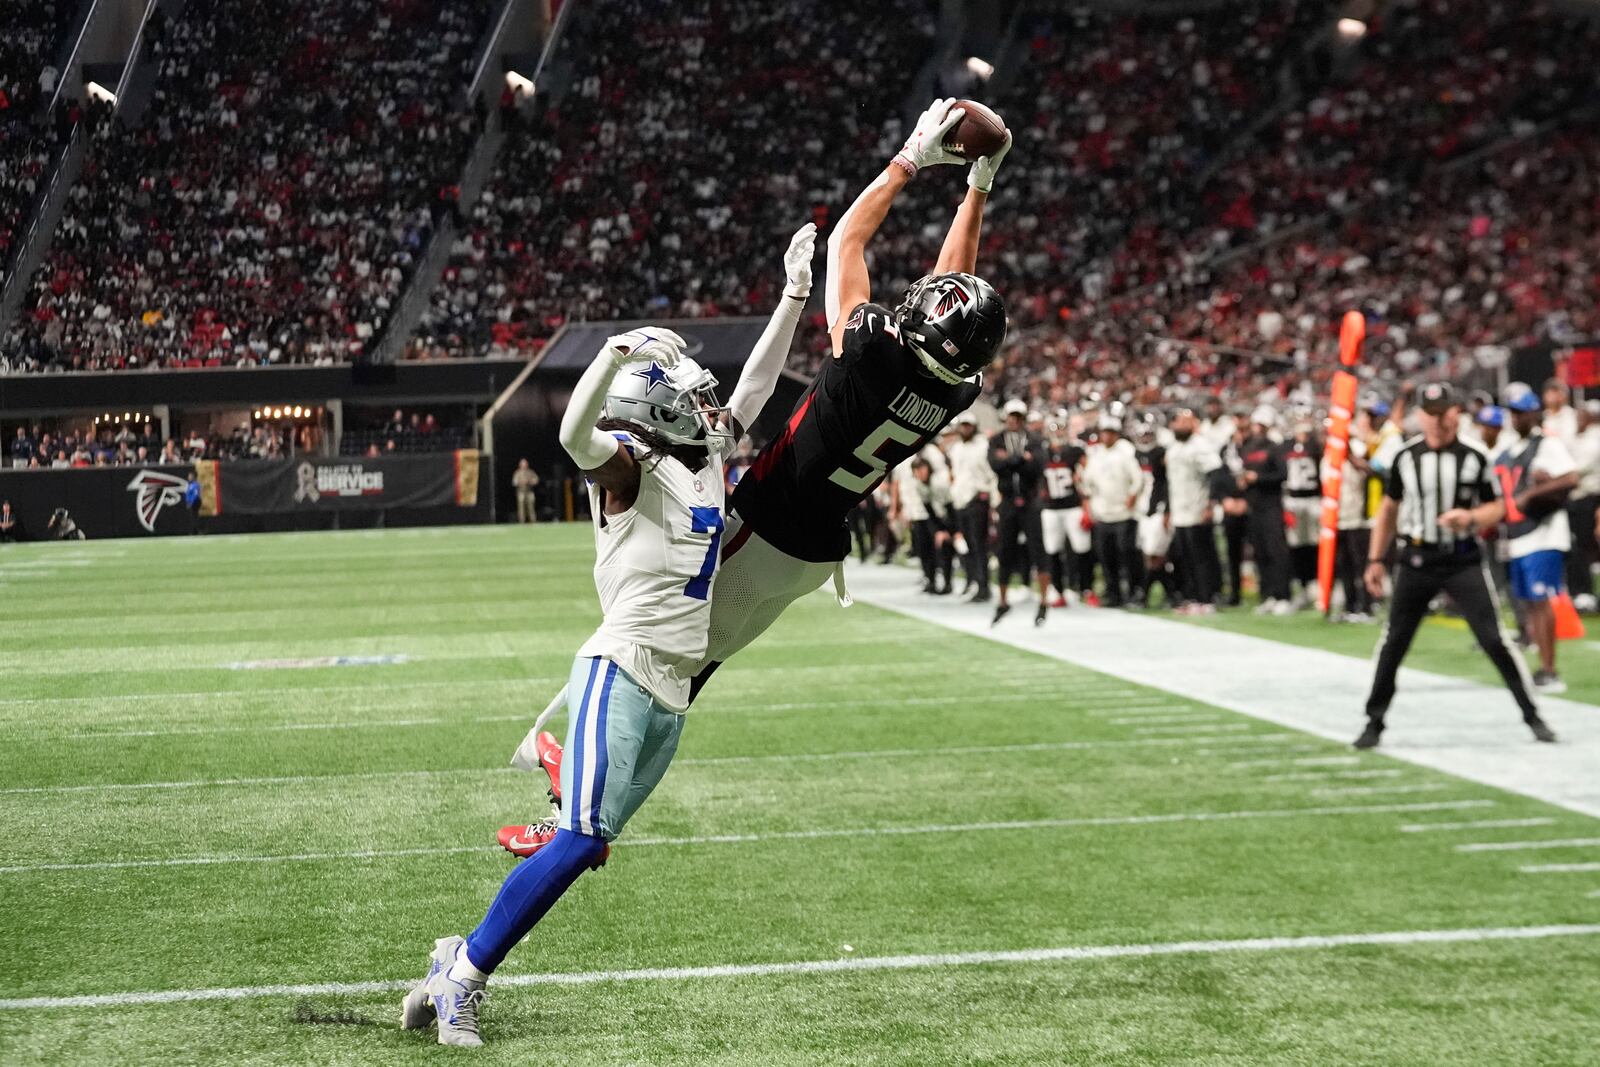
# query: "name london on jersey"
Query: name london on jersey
{"points": [[917, 412]]}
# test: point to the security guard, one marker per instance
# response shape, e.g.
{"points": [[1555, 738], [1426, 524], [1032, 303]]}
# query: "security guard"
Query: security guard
{"points": [[1439, 491]]}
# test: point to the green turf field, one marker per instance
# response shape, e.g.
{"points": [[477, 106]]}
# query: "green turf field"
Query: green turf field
{"points": [[857, 787]]}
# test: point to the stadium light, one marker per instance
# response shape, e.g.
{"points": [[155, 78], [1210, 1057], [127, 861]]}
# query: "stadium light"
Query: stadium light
{"points": [[519, 84], [981, 69], [1352, 29]]}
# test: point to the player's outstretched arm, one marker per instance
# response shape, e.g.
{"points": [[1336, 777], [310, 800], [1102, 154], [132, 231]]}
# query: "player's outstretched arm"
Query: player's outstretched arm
{"points": [[960, 250], [848, 281], [759, 377], [600, 456]]}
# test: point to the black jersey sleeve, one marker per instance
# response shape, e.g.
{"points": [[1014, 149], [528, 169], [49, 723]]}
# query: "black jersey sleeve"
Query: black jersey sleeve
{"points": [[870, 331]]}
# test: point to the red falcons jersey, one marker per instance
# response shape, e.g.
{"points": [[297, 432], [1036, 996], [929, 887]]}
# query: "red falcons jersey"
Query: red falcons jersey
{"points": [[871, 407]]}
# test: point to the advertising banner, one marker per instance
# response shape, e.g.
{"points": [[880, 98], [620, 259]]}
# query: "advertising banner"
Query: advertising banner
{"points": [[249, 495], [266, 487]]}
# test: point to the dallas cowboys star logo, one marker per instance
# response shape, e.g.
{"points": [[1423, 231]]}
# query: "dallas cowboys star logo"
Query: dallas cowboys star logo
{"points": [[652, 374]]}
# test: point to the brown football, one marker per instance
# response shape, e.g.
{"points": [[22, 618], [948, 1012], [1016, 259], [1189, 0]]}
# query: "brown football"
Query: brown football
{"points": [[979, 133]]}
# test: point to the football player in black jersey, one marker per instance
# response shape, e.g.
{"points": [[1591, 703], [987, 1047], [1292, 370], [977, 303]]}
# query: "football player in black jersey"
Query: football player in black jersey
{"points": [[1302, 500], [897, 377], [1064, 536], [895, 380], [1155, 524]]}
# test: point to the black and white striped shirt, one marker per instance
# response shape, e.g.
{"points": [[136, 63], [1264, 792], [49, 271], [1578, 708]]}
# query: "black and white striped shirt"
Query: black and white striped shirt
{"points": [[1430, 481]]}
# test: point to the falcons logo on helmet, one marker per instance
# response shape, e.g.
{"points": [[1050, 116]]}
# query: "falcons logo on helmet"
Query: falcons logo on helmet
{"points": [[956, 296], [156, 491]]}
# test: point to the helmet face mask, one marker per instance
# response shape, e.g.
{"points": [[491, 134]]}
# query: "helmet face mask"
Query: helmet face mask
{"points": [[677, 403], [953, 323]]}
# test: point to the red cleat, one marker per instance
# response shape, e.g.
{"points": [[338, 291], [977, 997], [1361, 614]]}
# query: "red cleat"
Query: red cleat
{"points": [[524, 841], [1059, 602], [549, 750], [1091, 599]]}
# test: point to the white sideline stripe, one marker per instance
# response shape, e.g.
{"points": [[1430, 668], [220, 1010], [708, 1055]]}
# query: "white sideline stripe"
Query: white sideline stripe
{"points": [[691, 761], [1323, 776], [785, 835], [1521, 846], [1560, 868], [1145, 709], [848, 964], [1475, 824], [1368, 790]]}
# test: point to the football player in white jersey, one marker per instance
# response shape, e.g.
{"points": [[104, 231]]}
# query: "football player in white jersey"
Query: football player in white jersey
{"points": [[644, 426]]}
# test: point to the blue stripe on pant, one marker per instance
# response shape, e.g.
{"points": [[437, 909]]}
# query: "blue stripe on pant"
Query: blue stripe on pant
{"points": [[620, 741]]}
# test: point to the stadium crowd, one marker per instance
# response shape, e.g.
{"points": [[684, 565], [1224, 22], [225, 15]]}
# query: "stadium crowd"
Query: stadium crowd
{"points": [[30, 35], [134, 444], [671, 159], [270, 204]]}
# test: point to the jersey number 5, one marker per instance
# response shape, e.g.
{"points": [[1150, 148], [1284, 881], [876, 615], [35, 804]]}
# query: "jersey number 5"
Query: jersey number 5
{"points": [[705, 520], [867, 453]]}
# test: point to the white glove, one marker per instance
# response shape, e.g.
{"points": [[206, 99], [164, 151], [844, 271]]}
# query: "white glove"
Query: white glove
{"points": [[925, 147], [981, 176], [797, 261], [648, 342]]}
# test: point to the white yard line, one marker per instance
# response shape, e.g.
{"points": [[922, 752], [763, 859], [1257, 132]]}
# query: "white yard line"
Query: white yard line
{"points": [[1194, 729], [1523, 846], [1369, 790], [688, 761], [1560, 868], [1449, 724], [1473, 824], [1151, 720], [1043, 698], [1323, 776], [1304, 761], [788, 835], [852, 964]]}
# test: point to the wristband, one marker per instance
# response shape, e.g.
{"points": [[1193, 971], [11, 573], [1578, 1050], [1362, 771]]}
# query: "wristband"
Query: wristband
{"points": [[905, 164]]}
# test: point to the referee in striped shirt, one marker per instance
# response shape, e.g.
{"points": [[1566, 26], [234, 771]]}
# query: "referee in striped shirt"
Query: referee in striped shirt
{"points": [[1440, 491]]}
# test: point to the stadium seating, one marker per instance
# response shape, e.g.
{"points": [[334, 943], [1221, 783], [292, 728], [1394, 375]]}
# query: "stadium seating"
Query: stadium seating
{"points": [[1190, 205], [30, 36], [270, 204], [681, 202]]}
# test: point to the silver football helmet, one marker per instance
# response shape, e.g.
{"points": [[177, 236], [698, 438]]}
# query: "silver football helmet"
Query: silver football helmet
{"points": [[676, 401]]}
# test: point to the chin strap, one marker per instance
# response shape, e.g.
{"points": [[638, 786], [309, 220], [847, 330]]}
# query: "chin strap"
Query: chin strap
{"points": [[840, 593]]}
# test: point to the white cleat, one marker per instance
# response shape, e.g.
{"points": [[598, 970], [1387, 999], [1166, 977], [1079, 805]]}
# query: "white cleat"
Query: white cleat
{"points": [[443, 1000]]}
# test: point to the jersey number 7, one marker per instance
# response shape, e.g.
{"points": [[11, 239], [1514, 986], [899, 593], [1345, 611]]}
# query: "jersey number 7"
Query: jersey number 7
{"points": [[705, 520], [867, 453]]}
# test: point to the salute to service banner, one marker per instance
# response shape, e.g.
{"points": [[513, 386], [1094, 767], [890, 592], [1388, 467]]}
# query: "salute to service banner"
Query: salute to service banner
{"points": [[268, 487], [247, 495]]}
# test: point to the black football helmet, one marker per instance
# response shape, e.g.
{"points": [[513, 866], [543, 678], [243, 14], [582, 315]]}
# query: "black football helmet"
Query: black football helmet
{"points": [[954, 322]]}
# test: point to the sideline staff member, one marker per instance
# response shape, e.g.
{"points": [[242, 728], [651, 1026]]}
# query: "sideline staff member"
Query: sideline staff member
{"points": [[1438, 489]]}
